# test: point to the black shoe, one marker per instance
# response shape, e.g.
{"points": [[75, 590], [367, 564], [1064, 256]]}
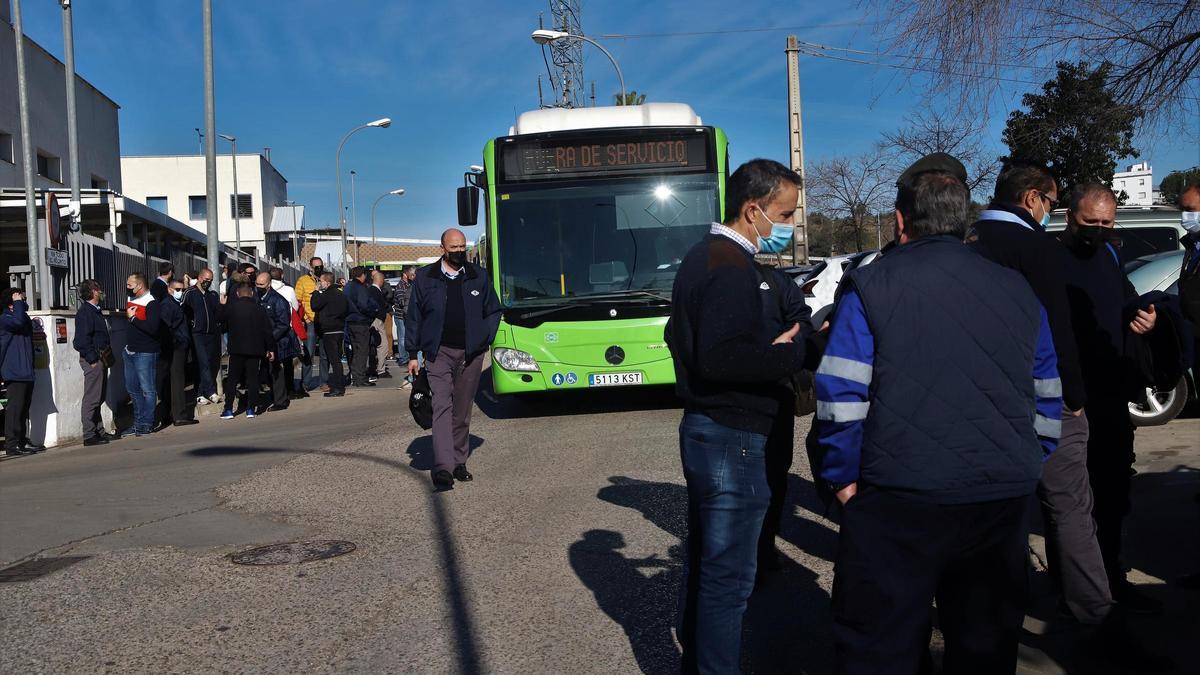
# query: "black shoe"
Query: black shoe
{"points": [[385, 374], [185, 423], [443, 480], [334, 393], [1121, 646], [15, 451], [31, 448], [1134, 601], [365, 384], [461, 473], [108, 437], [275, 407], [95, 440]]}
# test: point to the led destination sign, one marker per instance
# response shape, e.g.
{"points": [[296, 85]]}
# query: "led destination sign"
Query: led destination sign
{"points": [[543, 159]]}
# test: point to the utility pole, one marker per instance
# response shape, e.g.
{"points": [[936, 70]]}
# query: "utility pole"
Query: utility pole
{"points": [[32, 231], [567, 55], [210, 150], [796, 148], [72, 118]]}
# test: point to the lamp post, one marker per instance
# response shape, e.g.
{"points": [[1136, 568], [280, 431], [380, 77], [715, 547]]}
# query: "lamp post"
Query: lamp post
{"points": [[237, 221], [354, 215], [72, 117], [381, 123], [399, 192], [544, 36], [208, 147], [32, 231]]}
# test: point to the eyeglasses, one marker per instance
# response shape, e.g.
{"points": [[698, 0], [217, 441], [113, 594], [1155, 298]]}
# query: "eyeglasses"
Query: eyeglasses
{"points": [[1053, 202]]}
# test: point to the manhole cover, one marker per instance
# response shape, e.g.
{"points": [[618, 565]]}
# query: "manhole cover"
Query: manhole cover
{"points": [[293, 552], [38, 568]]}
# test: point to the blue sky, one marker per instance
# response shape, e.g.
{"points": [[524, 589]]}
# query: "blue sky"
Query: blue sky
{"points": [[294, 75]]}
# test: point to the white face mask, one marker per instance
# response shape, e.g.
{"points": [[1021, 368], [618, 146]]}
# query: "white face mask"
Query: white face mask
{"points": [[1190, 221], [178, 295]]}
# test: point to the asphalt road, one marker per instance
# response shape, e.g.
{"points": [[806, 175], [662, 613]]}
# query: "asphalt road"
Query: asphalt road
{"points": [[562, 556]]}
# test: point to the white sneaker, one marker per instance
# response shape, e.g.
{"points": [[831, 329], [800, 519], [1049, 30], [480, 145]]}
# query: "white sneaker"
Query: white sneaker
{"points": [[214, 398], [200, 400]]}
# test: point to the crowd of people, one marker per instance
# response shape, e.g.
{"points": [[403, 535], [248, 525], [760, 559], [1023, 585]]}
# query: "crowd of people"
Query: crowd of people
{"points": [[974, 369], [179, 328]]}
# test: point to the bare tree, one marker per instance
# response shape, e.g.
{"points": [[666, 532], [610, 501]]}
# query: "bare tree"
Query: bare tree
{"points": [[853, 190], [968, 45], [927, 132]]}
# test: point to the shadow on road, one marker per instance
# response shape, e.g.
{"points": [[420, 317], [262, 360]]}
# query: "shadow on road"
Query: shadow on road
{"points": [[420, 451], [572, 401], [467, 646], [787, 625]]}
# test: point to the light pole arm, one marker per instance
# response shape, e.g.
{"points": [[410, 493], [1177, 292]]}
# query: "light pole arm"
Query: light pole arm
{"points": [[599, 46], [338, 159]]}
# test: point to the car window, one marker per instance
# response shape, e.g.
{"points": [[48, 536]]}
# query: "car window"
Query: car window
{"points": [[1140, 241]]}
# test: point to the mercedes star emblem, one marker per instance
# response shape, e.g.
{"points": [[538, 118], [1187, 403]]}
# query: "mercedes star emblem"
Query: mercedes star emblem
{"points": [[614, 355]]}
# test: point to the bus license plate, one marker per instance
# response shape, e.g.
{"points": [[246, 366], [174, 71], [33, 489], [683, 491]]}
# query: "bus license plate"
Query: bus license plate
{"points": [[613, 379]]}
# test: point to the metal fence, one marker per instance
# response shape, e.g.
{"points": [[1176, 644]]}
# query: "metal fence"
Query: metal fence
{"points": [[111, 263]]}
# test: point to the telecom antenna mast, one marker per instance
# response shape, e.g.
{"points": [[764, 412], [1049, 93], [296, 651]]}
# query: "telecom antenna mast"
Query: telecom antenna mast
{"points": [[567, 55]]}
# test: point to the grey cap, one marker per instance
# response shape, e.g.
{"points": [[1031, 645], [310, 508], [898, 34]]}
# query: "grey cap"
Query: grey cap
{"points": [[937, 161]]}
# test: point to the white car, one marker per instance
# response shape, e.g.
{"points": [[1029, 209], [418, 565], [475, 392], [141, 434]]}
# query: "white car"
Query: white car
{"points": [[820, 286]]}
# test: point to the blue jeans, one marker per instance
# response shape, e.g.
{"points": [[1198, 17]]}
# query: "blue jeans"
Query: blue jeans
{"points": [[401, 352], [726, 476], [313, 342], [139, 382]]}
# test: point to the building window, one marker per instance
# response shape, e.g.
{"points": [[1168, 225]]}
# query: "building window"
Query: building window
{"points": [[241, 207], [157, 203], [99, 183], [1141, 195], [6, 147], [1141, 181], [49, 166], [198, 207]]}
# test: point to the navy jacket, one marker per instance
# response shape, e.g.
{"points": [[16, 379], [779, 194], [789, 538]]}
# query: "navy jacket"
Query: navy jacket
{"points": [[1007, 235], [175, 329], [362, 305], [287, 346], [16, 344], [724, 319], [145, 330], [91, 332], [200, 306], [939, 379], [427, 311]]}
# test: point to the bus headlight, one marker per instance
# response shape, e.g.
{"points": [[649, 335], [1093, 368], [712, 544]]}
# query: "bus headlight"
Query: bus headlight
{"points": [[514, 359]]}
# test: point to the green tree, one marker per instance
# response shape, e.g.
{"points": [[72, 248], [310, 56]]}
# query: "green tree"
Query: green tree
{"points": [[1175, 181], [631, 98], [1074, 126]]}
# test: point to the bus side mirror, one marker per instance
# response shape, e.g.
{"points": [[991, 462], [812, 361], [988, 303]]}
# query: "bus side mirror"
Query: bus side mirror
{"points": [[468, 205]]}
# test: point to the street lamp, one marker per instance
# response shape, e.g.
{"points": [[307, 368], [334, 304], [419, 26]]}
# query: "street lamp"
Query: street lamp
{"points": [[237, 221], [354, 214], [544, 36], [382, 123], [399, 192]]}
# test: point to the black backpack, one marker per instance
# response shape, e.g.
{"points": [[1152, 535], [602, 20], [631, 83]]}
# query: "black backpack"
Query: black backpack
{"points": [[420, 401]]}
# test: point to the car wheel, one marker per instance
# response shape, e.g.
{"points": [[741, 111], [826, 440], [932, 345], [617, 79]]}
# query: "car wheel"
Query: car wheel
{"points": [[1159, 406]]}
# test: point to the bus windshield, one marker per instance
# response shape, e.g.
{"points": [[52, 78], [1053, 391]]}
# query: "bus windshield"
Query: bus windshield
{"points": [[599, 237]]}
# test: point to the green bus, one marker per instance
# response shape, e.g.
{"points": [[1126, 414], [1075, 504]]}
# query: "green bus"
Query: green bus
{"points": [[589, 213]]}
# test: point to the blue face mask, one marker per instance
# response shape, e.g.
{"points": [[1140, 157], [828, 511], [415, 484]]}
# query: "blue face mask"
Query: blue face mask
{"points": [[1045, 220], [777, 242]]}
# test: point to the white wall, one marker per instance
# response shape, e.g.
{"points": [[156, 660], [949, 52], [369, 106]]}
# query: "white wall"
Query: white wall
{"points": [[179, 177], [99, 135]]}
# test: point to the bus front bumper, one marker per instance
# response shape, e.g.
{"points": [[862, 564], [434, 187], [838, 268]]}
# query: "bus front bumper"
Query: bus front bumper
{"points": [[552, 376]]}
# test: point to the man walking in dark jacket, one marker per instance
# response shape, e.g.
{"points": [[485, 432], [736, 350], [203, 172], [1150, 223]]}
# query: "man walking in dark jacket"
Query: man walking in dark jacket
{"points": [[329, 307], [287, 346], [361, 311], [732, 353], [251, 339], [200, 305], [453, 316], [95, 353], [143, 342], [16, 370], [939, 398]]}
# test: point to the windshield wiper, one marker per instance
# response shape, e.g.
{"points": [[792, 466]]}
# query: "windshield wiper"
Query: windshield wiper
{"points": [[632, 292]]}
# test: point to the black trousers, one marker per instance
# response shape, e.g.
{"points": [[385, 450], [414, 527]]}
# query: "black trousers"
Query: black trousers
{"points": [[243, 370], [16, 415], [170, 380], [360, 346], [1110, 460], [780, 442], [896, 554], [331, 347], [278, 370]]}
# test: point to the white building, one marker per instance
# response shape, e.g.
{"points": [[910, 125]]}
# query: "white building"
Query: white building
{"points": [[175, 185], [99, 136], [1138, 184]]}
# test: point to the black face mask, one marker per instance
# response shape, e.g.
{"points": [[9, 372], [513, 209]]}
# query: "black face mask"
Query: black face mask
{"points": [[317, 270], [130, 292], [261, 291], [205, 285], [1092, 237], [457, 259]]}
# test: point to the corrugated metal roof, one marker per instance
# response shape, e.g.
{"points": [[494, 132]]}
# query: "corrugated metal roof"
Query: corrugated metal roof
{"points": [[282, 219]]}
